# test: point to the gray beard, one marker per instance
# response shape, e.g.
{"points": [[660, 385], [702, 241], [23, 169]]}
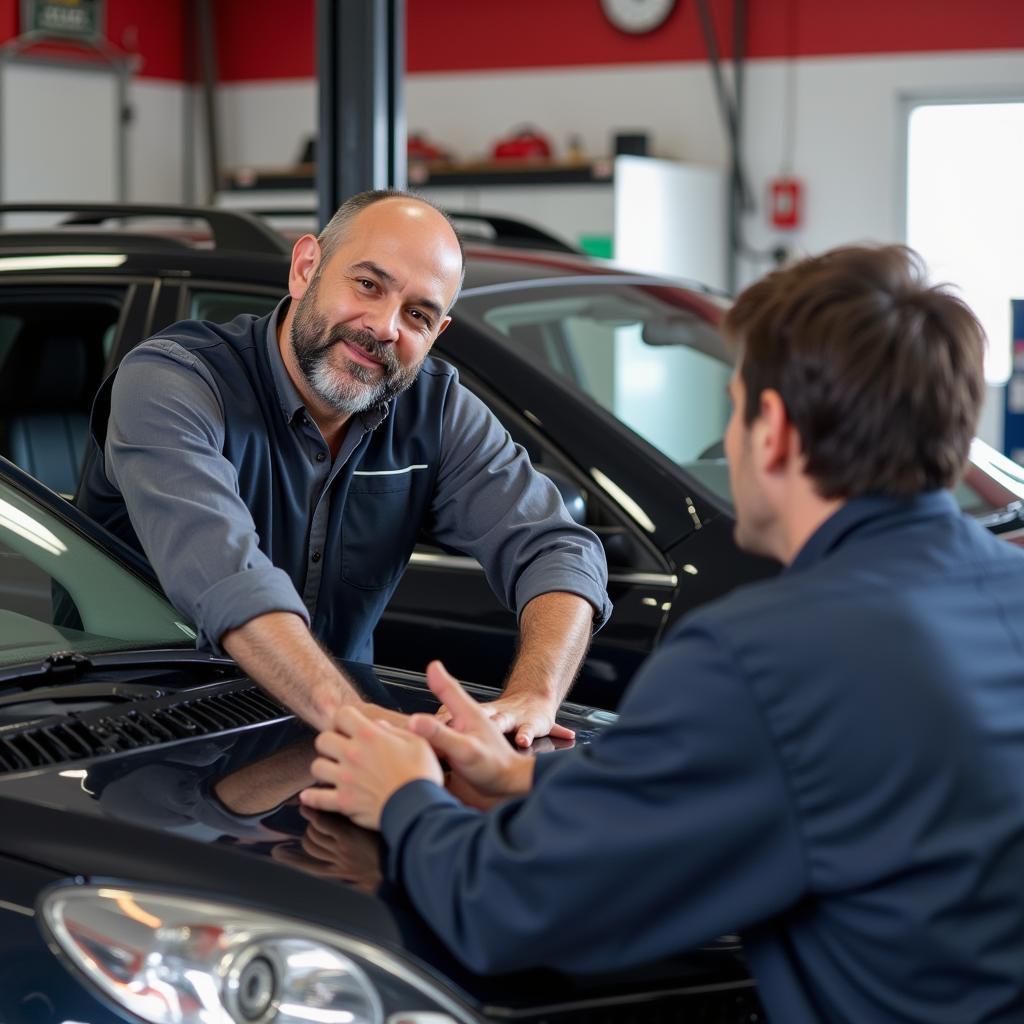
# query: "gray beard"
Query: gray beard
{"points": [[363, 387]]}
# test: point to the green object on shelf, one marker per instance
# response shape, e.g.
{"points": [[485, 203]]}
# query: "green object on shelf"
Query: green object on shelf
{"points": [[597, 245]]}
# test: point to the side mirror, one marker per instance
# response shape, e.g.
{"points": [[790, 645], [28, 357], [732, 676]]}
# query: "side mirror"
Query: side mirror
{"points": [[573, 496]]}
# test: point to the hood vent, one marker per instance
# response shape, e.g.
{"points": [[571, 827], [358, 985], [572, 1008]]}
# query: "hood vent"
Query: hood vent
{"points": [[171, 718]]}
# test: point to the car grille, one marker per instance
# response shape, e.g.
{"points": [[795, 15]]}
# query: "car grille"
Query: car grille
{"points": [[89, 735]]}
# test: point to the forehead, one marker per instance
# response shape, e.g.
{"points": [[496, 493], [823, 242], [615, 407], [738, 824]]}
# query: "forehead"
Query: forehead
{"points": [[403, 237], [411, 242]]}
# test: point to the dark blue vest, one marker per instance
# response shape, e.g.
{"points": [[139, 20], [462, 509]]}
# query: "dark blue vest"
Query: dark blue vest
{"points": [[374, 520]]}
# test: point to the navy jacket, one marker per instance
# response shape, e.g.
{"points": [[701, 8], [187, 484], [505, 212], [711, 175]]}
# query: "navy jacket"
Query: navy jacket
{"points": [[212, 468], [830, 763]]}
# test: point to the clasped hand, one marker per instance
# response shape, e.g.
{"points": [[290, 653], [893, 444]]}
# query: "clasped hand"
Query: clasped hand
{"points": [[362, 763]]}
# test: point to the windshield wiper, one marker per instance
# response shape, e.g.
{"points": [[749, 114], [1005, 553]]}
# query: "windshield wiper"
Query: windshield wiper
{"points": [[47, 683], [53, 677], [63, 665], [83, 691]]}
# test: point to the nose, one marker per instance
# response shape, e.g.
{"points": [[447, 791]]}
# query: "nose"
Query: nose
{"points": [[382, 321]]}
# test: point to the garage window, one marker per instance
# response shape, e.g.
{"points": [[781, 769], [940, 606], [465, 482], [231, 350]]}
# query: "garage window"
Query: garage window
{"points": [[965, 208]]}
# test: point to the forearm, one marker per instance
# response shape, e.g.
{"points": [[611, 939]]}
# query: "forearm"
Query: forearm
{"points": [[555, 631], [265, 784], [278, 652]]}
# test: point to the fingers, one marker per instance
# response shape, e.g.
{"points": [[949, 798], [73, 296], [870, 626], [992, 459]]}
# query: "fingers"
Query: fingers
{"points": [[457, 747], [457, 704], [560, 732], [320, 799]]}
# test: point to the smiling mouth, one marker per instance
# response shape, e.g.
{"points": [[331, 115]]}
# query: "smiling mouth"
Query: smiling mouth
{"points": [[360, 355]]}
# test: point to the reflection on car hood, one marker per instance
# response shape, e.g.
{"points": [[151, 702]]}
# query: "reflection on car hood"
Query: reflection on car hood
{"points": [[219, 814]]}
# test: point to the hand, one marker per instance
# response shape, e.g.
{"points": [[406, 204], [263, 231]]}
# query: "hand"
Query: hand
{"points": [[333, 847], [526, 715], [363, 763], [484, 767]]}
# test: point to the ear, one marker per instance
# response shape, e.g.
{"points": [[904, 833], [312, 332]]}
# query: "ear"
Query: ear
{"points": [[442, 327], [305, 260], [777, 440]]}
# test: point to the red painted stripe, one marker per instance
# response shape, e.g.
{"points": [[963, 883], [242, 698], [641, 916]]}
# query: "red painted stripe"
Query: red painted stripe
{"points": [[453, 35], [258, 42], [266, 39]]}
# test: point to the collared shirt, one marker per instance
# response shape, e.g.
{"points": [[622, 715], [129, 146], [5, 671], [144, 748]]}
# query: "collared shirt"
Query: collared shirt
{"points": [[224, 559], [830, 763]]}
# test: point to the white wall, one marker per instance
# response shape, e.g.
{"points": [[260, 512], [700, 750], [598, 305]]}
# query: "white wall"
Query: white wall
{"points": [[156, 143], [263, 124], [59, 135], [848, 120]]}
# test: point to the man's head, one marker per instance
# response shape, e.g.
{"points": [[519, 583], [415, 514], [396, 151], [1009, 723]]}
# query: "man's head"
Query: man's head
{"points": [[370, 297], [854, 377]]}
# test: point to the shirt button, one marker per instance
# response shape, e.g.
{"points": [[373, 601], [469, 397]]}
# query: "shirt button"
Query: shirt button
{"points": [[320, 456], [315, 556]]}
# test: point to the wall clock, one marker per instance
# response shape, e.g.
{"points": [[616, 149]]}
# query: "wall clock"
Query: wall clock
{"points": [[637, 16]]}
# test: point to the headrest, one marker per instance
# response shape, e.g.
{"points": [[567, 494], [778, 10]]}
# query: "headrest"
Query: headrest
{"points": [[46, 373]]}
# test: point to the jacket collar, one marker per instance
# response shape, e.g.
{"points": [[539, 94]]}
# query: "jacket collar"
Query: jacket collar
{"points": [[869, 514]]}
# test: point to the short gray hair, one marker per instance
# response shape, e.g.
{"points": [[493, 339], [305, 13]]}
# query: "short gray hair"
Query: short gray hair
{"points": [[333, 233]]}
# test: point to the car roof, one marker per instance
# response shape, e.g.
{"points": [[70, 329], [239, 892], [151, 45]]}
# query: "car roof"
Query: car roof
{"points": [[208, 244]]}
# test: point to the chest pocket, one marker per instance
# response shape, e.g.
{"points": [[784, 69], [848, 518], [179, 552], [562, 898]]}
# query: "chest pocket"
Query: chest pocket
{"points": [[383, 514]]}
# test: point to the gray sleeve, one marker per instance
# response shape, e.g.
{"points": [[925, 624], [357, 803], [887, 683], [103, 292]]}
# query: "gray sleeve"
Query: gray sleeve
{"points": [[491, 503], [164, 453]]}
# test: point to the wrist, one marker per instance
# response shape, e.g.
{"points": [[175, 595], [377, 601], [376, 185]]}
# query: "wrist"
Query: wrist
{"points": [[521, 777], [536, 687]]}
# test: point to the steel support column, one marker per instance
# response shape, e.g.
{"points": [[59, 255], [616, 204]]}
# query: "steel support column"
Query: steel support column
{"points": [[360, 68]]}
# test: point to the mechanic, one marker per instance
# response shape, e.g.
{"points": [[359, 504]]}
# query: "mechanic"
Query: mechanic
{"points": [[830, 763], [277, 471]]}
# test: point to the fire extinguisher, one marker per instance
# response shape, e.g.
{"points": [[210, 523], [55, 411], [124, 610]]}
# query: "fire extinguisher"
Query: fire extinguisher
{"points": [[785, 202]]}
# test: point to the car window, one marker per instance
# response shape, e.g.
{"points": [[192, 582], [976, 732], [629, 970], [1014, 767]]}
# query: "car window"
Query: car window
{"points": [[53, 350], [60, 592], [219, 306], [656, 364]]}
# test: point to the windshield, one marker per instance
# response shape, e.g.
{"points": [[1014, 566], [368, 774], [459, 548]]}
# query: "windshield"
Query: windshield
{"points": [[650, 355], [646, 353], [60, 592]]}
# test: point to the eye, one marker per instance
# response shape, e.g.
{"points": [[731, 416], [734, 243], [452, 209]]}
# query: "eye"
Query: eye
{"points": [[365, 282], [423, 319]]}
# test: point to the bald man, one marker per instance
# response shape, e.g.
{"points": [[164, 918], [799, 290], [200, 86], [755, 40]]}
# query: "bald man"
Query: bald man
{"points": [[277, 471]]}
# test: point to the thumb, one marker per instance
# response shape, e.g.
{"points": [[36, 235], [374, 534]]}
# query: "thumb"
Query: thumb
{"points": [[524, 737]]}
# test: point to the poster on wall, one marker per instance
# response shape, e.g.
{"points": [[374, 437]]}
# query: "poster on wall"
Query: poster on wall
{"points": [[1013, 431], [64, 19]]}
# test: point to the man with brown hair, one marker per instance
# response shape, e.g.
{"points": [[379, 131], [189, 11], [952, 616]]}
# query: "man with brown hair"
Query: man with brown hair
{"points": [[830, 763]]}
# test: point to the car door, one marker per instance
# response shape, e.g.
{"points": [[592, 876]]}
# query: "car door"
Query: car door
{"points": [[444, 607]]}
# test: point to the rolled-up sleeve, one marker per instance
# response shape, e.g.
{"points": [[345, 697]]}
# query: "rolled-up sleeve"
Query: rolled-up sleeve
{"points": [[491, 503], [164, 452]]}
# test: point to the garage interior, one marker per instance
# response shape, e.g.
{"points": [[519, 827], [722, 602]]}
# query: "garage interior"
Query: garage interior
{"points": [[618, 172]]}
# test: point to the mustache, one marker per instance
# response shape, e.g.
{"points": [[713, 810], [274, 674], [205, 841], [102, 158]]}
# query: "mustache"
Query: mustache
{"points": [[378, 350]]}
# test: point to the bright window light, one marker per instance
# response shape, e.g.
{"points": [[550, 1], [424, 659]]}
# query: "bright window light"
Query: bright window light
{"points": [[965, 209]]}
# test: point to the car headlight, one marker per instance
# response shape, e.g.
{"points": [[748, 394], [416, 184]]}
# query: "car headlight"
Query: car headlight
{"points": [[173, 959]]}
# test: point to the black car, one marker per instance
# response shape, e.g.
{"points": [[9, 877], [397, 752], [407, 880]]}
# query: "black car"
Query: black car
{"points": [[155, 865], [613, 381]]}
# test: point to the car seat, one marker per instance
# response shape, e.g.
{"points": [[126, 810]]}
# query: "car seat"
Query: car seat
{"points": [[45, 403]]}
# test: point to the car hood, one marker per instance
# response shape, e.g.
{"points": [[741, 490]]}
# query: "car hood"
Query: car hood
{"points": [[218, 815]]}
